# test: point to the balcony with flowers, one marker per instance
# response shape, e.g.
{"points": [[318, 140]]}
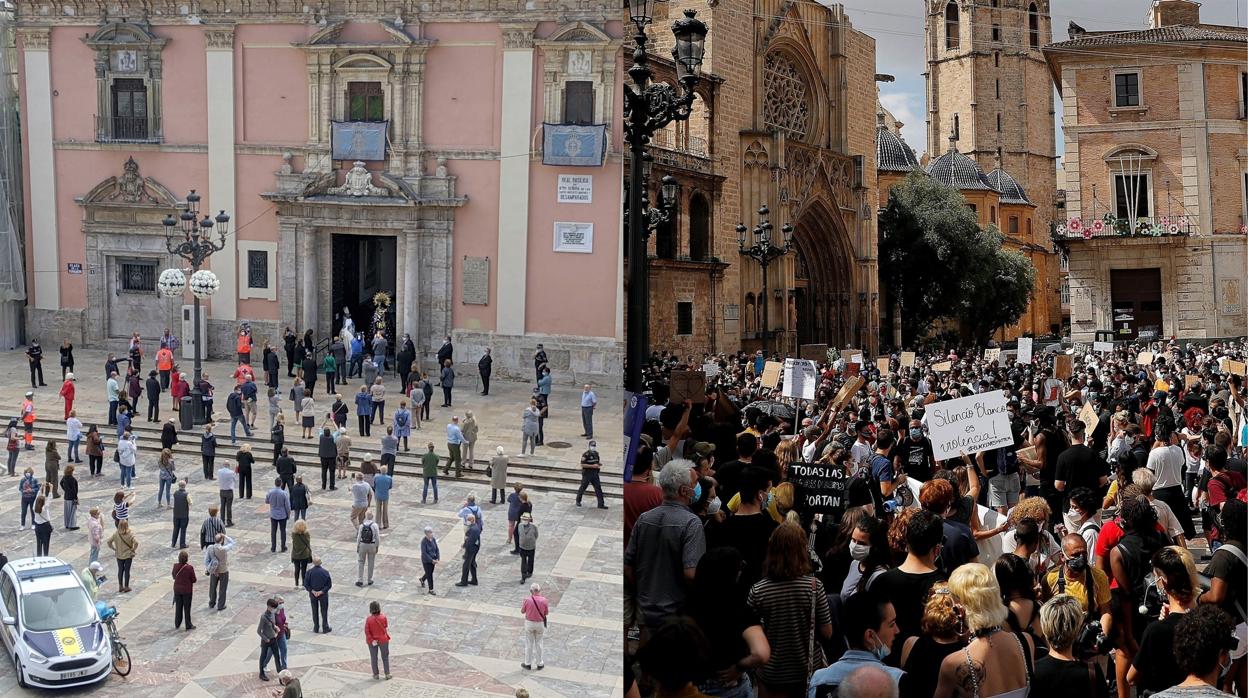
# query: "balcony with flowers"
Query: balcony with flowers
{"points": [[1111, 226]]}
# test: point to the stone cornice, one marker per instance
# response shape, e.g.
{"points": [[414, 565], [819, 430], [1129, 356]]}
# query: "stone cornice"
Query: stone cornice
{"points": [[517, 36], [34, 38], [219, 38]]}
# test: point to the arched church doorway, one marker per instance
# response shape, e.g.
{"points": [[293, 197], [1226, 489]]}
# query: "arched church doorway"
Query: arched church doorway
{"points": [[823, 264]]}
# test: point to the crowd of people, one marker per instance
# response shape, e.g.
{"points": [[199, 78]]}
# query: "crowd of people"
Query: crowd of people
{"points": [[1097, 550], [369, 479]]}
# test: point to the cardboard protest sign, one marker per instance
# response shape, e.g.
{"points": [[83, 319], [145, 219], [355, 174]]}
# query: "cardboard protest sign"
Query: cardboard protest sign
{"points": [[942, 367], [1145, 358], [771, 374], [1024, 350], [801, 376], [819, 488], [1190, 380], [907, 359], [993, 354], [1161, 385], [969, 425], [1102, 346], [687, 385], [1030, 453], [711, 369], [814, 352], [1235, 368], [847, 355], [851, 386], [1063, 366], [1087, 415], [883, 365]]}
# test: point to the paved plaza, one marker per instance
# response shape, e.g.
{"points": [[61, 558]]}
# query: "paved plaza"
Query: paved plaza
{"points": [[463, 642]]}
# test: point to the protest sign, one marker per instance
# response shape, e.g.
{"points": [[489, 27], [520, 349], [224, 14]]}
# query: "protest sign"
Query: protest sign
{"points": [[710, 369], [1087, 415], [1235, 368], [847, 355], [851, 386], [942, 367], [1102, 346], [1190, 380], [819, 488], [771, 374], [801, 376], [814, 352], [1145, 358], [907, 359], [1161, 385], [993, 354], [1063, 366], [883, 365], [969, 425], [1030, 453], [687, 385], [1024, 350]]}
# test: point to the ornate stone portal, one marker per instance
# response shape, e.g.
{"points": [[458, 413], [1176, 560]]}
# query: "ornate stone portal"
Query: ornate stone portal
{"points": [[359, 182]]}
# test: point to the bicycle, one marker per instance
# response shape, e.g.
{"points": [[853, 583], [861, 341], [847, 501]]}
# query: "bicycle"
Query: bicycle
{"points": [[121, 655]]}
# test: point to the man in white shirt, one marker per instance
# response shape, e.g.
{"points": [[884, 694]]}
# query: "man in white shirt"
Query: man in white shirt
{"points": [[1144, 479], [367, 540], [1166, 462], [860, 453], [226, 480]]}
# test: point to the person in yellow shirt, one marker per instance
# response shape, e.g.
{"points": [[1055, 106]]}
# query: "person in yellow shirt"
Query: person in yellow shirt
{"points": [[1072, 578]]}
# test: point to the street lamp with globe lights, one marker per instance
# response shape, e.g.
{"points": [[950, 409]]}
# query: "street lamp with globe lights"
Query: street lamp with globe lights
{"points": [[762, 250], [190, 238], [648, 107]]}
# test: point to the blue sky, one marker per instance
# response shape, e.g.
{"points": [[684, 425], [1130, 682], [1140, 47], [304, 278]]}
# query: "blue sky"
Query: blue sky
{"points": [[897, 26]]}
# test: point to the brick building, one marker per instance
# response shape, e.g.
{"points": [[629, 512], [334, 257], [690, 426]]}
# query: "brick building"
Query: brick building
{"points": [[780, 122], [988, 87], [1156, 168]]}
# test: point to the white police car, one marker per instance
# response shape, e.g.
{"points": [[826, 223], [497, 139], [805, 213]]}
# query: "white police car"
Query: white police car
{"points": [[51, 628]]}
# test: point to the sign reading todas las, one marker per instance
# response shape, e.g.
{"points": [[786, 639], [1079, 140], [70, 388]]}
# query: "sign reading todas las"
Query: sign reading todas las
{"points": [[820, 488], [969, 425]]}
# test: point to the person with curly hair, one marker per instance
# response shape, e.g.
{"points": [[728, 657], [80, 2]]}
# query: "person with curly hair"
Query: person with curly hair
{"points": [[907, 584], [1203, 641], [975, 591], [922, 655], [1129, 563]]}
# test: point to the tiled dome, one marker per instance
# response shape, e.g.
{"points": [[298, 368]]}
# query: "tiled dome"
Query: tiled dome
{"points": [[1011, 191], [959, 171], [892, 154]]}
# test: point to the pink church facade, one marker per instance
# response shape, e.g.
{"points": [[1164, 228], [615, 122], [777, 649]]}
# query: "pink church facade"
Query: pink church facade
{"points": [[462, 157]]}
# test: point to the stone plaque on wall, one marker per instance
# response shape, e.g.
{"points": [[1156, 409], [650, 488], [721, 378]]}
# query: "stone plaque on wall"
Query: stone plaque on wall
{"points": [[1229, 298], [1081, 305], [476, 275]]}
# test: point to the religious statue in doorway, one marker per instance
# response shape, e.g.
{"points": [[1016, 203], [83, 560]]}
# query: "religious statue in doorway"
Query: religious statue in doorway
{"points": [[348, 330], [381, 304]]}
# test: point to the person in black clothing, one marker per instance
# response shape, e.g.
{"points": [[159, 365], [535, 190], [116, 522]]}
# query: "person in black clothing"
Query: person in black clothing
{"points": [[485, 366], [327, 451], [245, 463], [34, 353], [922, 655], [169, 435], [309, 373], [208, 449], [403, 359], [446, 352], [1154, 667], [734, 631], [289, 342], [67, 358], [286, 468], [539, 360], [729, 474], [1061, 673], [1078, 466], [749, 529], [271, 366], [153, 397], [907, 585], [1129, 563]]}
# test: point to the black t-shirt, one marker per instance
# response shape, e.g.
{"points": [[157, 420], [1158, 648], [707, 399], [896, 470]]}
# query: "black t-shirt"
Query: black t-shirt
{"points": [[1059, 677], [1080, 466], [728, 479], [916, 458], [723, 627], [1230, 570], [1155, 660], [908, 592], [959, 547], [749, 534]]}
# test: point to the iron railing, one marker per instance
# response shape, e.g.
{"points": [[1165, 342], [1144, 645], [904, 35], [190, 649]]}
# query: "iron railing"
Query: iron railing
{"points": [[126, 129]]}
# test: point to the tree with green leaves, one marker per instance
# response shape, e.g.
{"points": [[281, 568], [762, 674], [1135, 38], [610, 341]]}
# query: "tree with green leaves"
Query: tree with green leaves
{"points": [[938, 263]]}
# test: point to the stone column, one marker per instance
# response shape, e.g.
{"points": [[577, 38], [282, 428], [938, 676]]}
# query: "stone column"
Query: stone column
{"points": [[219, 44], [308, 267], [513, 178], [409, 243], [44, 256]]}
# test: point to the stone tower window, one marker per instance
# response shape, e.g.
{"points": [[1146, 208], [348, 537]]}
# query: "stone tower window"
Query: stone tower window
{"points": [[699, 228], [952, 26], [1033, 25], [786, 100]]}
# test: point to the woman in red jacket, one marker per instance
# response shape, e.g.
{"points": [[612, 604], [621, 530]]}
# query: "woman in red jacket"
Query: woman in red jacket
{"points": [[378, 638], [183, 586], [178, 389]]}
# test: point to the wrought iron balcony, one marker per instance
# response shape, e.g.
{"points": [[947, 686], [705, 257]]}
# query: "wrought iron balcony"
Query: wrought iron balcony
{"points": [[126, 129], [1109, 226]]}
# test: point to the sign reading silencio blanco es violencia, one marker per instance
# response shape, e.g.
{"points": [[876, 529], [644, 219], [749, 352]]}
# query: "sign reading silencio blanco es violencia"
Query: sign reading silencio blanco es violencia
{"points": [[969, 425], [576, 189], [819, 488], [574, 237]]}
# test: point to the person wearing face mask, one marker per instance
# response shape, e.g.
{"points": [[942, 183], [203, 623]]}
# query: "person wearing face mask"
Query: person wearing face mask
{"points": [[662, 554], [870, 628], [1154, 669], [749, 529], [1074, 577], [1084, 518], [1203, 640], [913, 454], [869, 556], [907, 585]]}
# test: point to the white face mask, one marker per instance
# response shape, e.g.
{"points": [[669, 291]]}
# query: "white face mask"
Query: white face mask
{"points": [[858, 551], [712, 507], [1074, 515]]}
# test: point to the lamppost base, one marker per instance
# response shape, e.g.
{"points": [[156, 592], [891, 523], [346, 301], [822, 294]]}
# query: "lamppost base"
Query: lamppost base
{"points": [[198, 414]]}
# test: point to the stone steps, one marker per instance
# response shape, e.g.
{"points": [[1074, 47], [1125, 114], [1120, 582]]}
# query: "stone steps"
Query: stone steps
{"points": [[538, 476]]}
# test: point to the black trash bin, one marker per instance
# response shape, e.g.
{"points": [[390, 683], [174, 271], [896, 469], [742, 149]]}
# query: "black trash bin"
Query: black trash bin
{"points": [[186, 417]]}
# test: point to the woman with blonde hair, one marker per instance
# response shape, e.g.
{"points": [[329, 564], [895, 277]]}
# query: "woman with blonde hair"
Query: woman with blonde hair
{"points": [[125, 545], [963, 674], [789, 600], [1061, 672], [245, 462], [786, 453], [922, 655], [300, 550]]}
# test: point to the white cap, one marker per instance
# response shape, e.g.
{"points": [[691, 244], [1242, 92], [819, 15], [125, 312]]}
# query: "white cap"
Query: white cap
{"points": [[69, 376], [96, 566]]}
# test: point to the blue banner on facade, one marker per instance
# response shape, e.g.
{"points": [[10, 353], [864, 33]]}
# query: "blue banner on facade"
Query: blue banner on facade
{"points": [[575, 146], [359, 140], [634, 419]]}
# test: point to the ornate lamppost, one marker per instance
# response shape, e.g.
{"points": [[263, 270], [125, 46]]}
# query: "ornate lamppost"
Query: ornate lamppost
{"points": [[649, 107], [763, 251], [194, 243]]}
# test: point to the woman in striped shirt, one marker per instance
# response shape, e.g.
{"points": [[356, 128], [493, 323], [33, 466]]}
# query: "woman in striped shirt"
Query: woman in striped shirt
{"points": [[793, 607], [121, 506]]}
